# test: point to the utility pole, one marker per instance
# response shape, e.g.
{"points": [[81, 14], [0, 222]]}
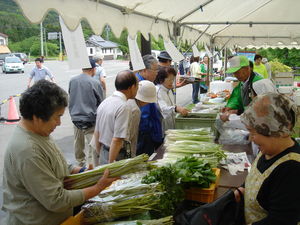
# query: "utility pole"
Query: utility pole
{"points": [[42, 46], [60, 47], [46, 49]]}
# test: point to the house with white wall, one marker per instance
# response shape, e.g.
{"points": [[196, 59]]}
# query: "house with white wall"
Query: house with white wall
{"points": [[97, 45], [4, 43]]}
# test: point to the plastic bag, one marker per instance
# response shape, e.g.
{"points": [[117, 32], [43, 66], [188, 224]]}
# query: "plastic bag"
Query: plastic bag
{"points": [[231, 136], [224, 211]]}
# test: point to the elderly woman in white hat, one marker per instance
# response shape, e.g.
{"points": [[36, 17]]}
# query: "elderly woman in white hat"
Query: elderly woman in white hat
{"points": [[272, 188], [146, 94]]}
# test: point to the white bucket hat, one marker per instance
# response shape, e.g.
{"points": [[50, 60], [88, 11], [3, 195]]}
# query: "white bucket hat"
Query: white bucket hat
{"points": [[146, 92]]}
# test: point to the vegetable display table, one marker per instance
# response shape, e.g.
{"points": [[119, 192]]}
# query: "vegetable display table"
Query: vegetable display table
{"points": [[227, 181]]}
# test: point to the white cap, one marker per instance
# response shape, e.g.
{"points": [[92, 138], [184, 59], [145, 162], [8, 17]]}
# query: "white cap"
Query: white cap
{"points": [[264, 60], [146, 92]]}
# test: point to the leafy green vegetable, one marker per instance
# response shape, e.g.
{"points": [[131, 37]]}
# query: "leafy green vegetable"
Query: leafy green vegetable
{"points": [[174, 177], [173, 193], [195, 172]]}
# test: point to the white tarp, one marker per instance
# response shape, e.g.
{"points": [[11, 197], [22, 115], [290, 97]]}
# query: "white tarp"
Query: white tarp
{"points": [[173, 51], [75, 47], [135, 54], [158, 18]]}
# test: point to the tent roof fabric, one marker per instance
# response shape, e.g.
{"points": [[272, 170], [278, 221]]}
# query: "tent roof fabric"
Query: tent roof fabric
{"points": [[232, 22]]}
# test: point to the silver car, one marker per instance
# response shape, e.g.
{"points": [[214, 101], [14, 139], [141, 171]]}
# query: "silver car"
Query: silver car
{"points": [[12, 64]]}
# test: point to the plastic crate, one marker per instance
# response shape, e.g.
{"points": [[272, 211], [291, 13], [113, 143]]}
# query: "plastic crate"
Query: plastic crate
{"points": [[204, 195], [196, 120]]}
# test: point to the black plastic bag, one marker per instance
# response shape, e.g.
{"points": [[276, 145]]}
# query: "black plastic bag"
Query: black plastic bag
{"points": [[224, 211]]}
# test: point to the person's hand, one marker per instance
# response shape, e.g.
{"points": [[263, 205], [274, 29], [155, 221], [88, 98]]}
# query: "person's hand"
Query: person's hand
{"points": [[225, 109], [182, 111], [105, 181], [237, 194], [225, 116], [181, 83]]}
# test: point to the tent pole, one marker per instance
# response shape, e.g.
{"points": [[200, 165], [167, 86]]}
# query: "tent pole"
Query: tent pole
{"points": [[198, 39], [225, 62]]}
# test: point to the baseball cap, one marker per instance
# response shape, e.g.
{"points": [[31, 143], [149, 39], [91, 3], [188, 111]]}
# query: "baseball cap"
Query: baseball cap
{"points": [[92, 63], [164, 55], [236, 63], [146, 92]]}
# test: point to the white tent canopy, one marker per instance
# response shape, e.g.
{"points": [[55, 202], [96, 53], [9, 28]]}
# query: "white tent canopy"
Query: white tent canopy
{"points": [[231, 22]]}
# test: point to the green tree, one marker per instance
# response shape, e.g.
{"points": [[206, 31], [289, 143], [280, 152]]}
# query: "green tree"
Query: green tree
{"points": [[53, 49]]}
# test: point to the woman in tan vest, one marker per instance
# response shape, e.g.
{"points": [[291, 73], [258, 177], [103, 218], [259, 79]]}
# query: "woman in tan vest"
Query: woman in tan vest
{"points": [[272, 188]]}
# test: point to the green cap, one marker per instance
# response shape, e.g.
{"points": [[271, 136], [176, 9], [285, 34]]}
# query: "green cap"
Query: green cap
{"points": [[236, 63]]}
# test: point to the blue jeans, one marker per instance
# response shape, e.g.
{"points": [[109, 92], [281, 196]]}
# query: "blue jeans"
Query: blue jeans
{"points": [[195, 95]]}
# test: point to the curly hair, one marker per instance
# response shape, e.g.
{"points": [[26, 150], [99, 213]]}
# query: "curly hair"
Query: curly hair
{"points": [[163, 73], [42, 100]]}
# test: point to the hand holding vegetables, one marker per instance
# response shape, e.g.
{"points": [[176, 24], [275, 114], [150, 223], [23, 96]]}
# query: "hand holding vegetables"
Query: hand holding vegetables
{"points": [[105, 181], [102, 183], [183, 111]]}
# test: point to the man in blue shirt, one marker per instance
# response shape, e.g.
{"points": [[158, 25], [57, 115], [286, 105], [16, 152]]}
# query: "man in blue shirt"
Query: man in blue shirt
{"points": [[39, 72], [150, 130]]}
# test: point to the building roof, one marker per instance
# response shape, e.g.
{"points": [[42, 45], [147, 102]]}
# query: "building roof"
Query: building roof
{"points": [[3, 35], [98, 41]]}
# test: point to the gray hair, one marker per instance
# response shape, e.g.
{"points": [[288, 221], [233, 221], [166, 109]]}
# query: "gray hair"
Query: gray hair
{"points": [[149, 60], [98, 57]]}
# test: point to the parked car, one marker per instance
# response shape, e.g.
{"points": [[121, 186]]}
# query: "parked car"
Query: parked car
{"points": [[12, 64], [2, 57], [22, 56]]}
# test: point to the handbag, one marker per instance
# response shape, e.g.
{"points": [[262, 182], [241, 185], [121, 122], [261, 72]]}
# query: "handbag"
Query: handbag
{"points": [[223, 211]]}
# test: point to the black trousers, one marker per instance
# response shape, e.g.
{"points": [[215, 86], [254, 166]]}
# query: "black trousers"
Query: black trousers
{"points": [[146, 144]]}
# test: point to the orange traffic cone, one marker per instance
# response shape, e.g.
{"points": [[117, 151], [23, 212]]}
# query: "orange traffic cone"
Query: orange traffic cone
{"points": [[13, 116]]}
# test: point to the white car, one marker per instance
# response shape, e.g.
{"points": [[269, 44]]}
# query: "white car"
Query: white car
{"points": [[12, 64]]}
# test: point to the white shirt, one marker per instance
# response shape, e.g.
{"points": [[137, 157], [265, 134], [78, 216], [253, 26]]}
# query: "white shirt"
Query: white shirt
{"points": [[112, 118], [165, 100]]}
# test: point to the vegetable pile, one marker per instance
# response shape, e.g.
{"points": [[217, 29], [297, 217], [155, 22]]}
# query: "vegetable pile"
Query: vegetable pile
{"points": [[194, 142], [125, 197], [119, 168], [174, 177], [163, 221]]}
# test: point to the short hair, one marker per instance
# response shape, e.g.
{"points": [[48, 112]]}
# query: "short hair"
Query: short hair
{"points": [[257, 57], [42, 100], [163, 73], [149, 60], [98, 57], [125, 79], [194, 59], [39, 60]]}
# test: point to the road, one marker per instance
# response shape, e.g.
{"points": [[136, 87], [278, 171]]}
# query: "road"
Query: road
{"points": [[12, 84]]}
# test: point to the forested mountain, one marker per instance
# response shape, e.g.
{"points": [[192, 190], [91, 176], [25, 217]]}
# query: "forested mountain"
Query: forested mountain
{"points": [[25, 36]]}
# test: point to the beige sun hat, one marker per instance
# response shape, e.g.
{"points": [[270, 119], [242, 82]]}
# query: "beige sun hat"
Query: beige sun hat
{"points": [[146, 92]]}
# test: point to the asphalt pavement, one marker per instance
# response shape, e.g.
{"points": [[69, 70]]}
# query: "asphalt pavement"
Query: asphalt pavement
{"points": [[13, 84]]}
